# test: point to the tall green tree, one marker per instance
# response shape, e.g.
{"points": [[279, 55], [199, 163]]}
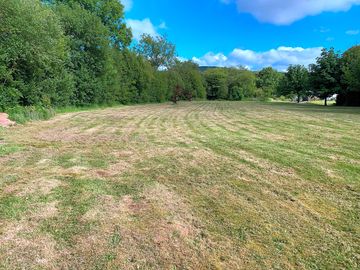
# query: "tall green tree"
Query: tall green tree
{"points": [[34, 56], [89, 51], [111, 14], [325, 74], [175, 85], [158, 50], [295, 82], [137, 78], [193, 84], [241, 83], [350, 64], [216, 83], [268, 80]]}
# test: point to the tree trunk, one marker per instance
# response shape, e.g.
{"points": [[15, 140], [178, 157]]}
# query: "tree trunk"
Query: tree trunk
{"points": [[326, 101], [298, 99]]}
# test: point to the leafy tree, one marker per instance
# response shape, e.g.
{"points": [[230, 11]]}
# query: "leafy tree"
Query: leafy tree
{"points": [[325, 75], [268, 80], [241, 83], [174, 80], [351, 68], [159, 88], [230, 83], [216, 83], [111, 14], [234, 83], [235, 92], [295, 82], [34, 55], [76, 52], [193, 84], [350, 93], [90, 52], [137, 78], [158, 50], [177, 94]]}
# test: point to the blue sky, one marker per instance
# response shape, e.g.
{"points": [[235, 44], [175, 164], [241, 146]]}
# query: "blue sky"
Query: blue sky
{"points": [[254, 33]]}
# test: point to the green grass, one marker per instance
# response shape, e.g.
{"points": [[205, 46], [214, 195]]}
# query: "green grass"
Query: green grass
{"points": [[201, 185], [12, 207], [6, 149], [72, 109], [22, 115], [321, 102]]}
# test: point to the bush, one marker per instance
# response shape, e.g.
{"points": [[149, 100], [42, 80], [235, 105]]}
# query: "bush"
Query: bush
{"points": [[21, 114], [33, 57], [9, 97]]}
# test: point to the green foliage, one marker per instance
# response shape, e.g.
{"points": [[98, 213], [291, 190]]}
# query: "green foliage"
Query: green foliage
{"points": [[75, 53], [89, 52], [175, 82], [158, 50], [111, 15], [325, 75], [192, 81], [350, 65], [351, 69], [241, 83], [230, 83], [33, 56], [22, 114], [159, 87], [295, 82], [268, 79], [236, 93], [178, 92], [9, 97], [216, 83], [136, 79], [67, 53]]}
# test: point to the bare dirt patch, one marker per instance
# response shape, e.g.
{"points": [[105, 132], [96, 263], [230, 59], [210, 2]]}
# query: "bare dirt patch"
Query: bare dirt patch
{"points": [[5, 121]]}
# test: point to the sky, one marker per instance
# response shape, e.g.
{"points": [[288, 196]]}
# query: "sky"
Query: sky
{"points": [[250, 33]]}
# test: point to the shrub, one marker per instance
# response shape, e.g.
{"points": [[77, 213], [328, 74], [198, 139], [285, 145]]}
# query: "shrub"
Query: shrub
{"points": [[21, 114]]}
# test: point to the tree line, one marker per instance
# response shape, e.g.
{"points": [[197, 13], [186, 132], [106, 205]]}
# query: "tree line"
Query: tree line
{"points": [[80, 52], [332, 74], [56, 53]]}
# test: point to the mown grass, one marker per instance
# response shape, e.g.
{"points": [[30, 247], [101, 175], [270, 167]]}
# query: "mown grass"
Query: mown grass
{"points": [[202, 185], [77, 198], [322, 102], [72, 109]]}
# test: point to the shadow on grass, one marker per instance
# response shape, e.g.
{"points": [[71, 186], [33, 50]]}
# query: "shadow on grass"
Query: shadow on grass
{"points": [[314, 108]]}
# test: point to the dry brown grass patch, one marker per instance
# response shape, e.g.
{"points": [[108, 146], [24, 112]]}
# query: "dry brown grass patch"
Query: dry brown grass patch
{"points": [[42, 186]]}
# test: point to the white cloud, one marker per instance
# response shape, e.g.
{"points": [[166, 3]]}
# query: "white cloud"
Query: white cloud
{"points": [[279, 58], [128, 4], [182, 59], [352, 32], [284, 12], [144, 26], [211, 59], [140, 27]]}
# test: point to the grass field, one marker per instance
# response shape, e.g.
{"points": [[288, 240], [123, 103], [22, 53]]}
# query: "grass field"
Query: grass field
{"points": [[203, 185]]}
